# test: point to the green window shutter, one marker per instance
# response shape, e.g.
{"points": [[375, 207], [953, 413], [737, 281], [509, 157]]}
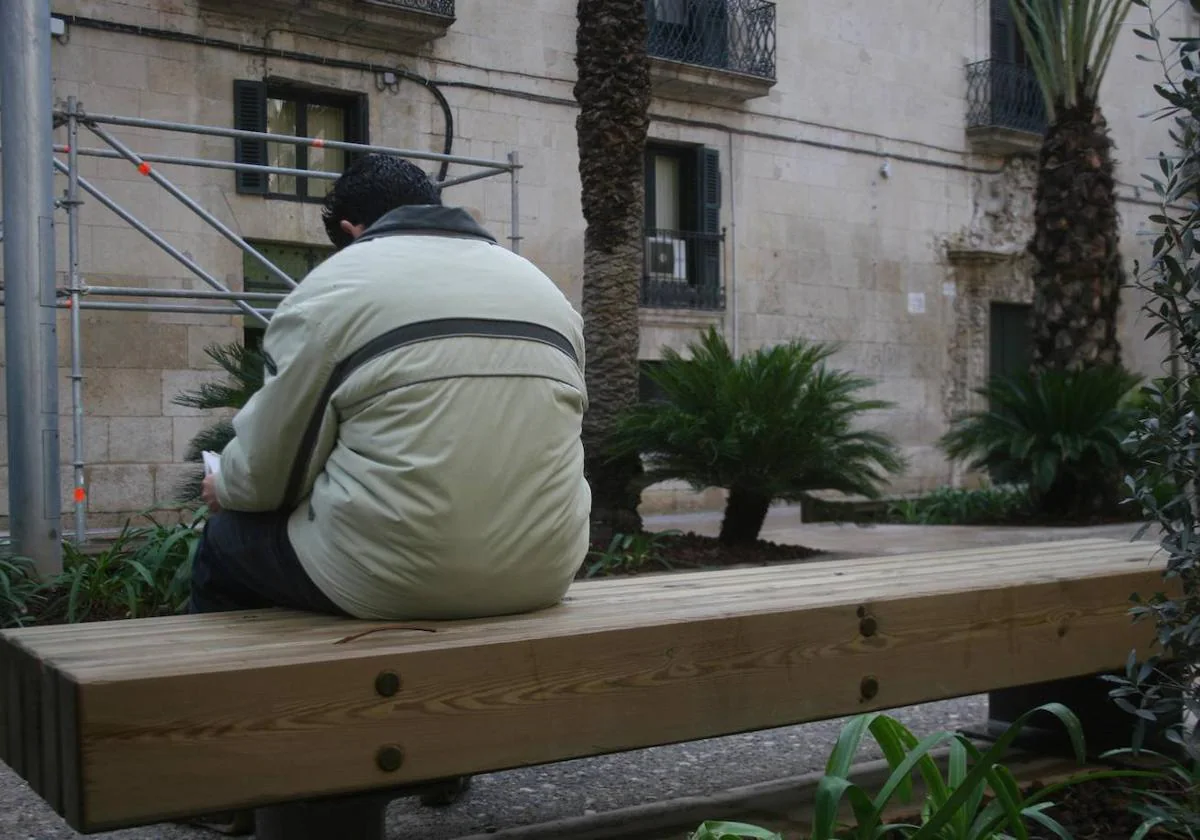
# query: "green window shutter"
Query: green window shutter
{"points": [[708, 246], [250, 114], [358, 127]]}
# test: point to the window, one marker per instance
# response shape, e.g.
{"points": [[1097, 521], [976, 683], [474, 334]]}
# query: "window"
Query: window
{"points": [[683, 228], [294, 260], [1010, 338], [1006, 38], [282, 108], [736, 35], [1003, 92], [649, 391]]}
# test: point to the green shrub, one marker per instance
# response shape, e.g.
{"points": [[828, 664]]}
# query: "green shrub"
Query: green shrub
{"points": [[19, 591], [243, 367], [992, 505], [1160, 687], [627, 554], [145, 571], [956, 804], [1062, 433], [774, 424]]}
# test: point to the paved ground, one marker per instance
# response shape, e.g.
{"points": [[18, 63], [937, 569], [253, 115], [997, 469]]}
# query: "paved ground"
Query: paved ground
{"points": [[527, 797]]}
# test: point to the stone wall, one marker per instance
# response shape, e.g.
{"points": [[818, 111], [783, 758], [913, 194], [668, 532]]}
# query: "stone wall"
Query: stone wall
{"points": [[855, 208]]}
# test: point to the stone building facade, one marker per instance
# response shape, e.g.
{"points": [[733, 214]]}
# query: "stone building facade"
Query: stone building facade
{"points": [[839, 170]]}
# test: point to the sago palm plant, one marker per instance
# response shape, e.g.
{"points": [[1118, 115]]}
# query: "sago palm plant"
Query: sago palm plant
{"points": [[774, 424], [243, 367], [1061, 432], [1078, 276]]}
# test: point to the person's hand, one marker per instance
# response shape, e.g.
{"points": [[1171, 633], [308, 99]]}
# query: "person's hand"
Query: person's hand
{"points": [[208, 492]]}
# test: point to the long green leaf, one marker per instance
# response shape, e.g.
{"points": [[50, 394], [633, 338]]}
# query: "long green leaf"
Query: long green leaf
{"points": [[983, 767], [1146, 827], [841, 758], [918, 755], [734, 831], [1008, 794]]}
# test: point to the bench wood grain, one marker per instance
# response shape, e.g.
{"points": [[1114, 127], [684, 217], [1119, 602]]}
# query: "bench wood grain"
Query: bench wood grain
{"points": [[133, 722]]}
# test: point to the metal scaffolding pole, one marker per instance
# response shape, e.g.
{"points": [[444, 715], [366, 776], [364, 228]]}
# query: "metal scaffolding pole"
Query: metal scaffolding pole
{"points": [[221, 228], [79, 493], [77, 292], [193, 309], [318, 142], [188, 294], [136, 223], [205, 163], [31, 346], [514, 180]]}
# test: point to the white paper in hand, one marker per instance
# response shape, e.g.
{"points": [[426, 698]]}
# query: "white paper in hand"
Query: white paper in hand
{"points": [[212, 462]]}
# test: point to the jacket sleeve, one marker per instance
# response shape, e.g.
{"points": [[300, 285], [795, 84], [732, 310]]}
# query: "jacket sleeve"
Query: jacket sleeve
{"points": [[269, 429]]}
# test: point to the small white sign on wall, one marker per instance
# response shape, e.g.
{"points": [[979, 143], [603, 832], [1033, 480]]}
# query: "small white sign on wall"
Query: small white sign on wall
{"points": [[916, 303], [949, 289]]}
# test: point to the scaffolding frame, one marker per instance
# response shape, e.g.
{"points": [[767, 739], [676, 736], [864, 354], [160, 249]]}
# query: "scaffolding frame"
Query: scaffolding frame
{"points": [[74, 297]]}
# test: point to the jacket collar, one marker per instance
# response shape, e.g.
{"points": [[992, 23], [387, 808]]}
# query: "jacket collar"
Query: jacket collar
{"points": [[430, 219]]}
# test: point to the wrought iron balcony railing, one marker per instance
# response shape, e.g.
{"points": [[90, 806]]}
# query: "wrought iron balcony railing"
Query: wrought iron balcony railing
{"points": [[441, 8], [735, 35], [683, 270], [1001, 94]]}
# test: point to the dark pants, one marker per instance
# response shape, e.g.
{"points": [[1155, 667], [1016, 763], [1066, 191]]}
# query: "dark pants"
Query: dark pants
{"points": [[246, 562]]}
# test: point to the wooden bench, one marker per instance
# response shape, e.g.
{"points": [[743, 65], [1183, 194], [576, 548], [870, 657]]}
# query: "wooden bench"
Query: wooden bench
{"points": [[134, 722]]}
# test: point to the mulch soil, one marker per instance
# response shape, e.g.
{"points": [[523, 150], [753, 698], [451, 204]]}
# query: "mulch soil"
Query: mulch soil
{"points": [[690, 552], [695, 551], [1095, 811]]}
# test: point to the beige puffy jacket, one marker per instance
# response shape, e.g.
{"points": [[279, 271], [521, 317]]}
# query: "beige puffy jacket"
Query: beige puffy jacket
{"points": [[421, 419]]}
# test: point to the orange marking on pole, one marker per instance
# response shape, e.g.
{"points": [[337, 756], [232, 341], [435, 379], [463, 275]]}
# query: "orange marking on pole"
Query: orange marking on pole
{"points": [[80, 494], [318, 142], [144, 168]]}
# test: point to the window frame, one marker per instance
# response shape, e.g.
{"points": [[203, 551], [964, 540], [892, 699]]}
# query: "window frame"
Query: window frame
{"points": [[689, 199], [355, 129], [313, 255], [699, 227]]}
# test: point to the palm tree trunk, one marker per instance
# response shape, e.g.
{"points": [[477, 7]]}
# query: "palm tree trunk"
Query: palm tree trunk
{"points": [[745, 512], [613, 91], [1078, 278]]}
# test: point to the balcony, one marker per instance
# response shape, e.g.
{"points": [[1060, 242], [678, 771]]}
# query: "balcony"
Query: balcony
{"points": [[402, 25], [718, 51], [1006, 111], [683, 271]]}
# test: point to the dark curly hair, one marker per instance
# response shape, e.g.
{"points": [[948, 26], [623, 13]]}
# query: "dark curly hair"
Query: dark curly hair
{"points": [[372, 186]]}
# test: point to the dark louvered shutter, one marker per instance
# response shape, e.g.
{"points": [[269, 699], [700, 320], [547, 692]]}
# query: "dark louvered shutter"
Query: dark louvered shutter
{"points": [[1003, 31], [250, 114], [708, 167], [358, 127]]}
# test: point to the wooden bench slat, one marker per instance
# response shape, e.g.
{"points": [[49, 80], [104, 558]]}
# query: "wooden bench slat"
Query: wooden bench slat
{"points": [[831, 579], [934, 561], [577, 616], [217, 712], [157, 748]]}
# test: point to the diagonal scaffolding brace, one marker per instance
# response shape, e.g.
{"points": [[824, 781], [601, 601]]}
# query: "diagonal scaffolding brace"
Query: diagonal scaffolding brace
{"points": [[77, 293]]}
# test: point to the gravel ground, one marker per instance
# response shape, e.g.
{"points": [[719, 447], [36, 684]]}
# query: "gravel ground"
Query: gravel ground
{"points": [[569, 789]]}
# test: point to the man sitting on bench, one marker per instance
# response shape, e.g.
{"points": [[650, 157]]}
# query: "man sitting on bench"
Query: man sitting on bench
{"points": [[414, 452]]}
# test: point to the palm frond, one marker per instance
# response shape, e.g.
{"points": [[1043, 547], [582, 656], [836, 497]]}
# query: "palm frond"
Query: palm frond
{"points": [[1070, 44], [777, 420], [1043, 427], [244, 368]]}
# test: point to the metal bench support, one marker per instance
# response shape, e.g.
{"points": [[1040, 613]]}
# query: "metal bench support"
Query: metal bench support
{"points": [[1105, 727], [360, 817]]}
